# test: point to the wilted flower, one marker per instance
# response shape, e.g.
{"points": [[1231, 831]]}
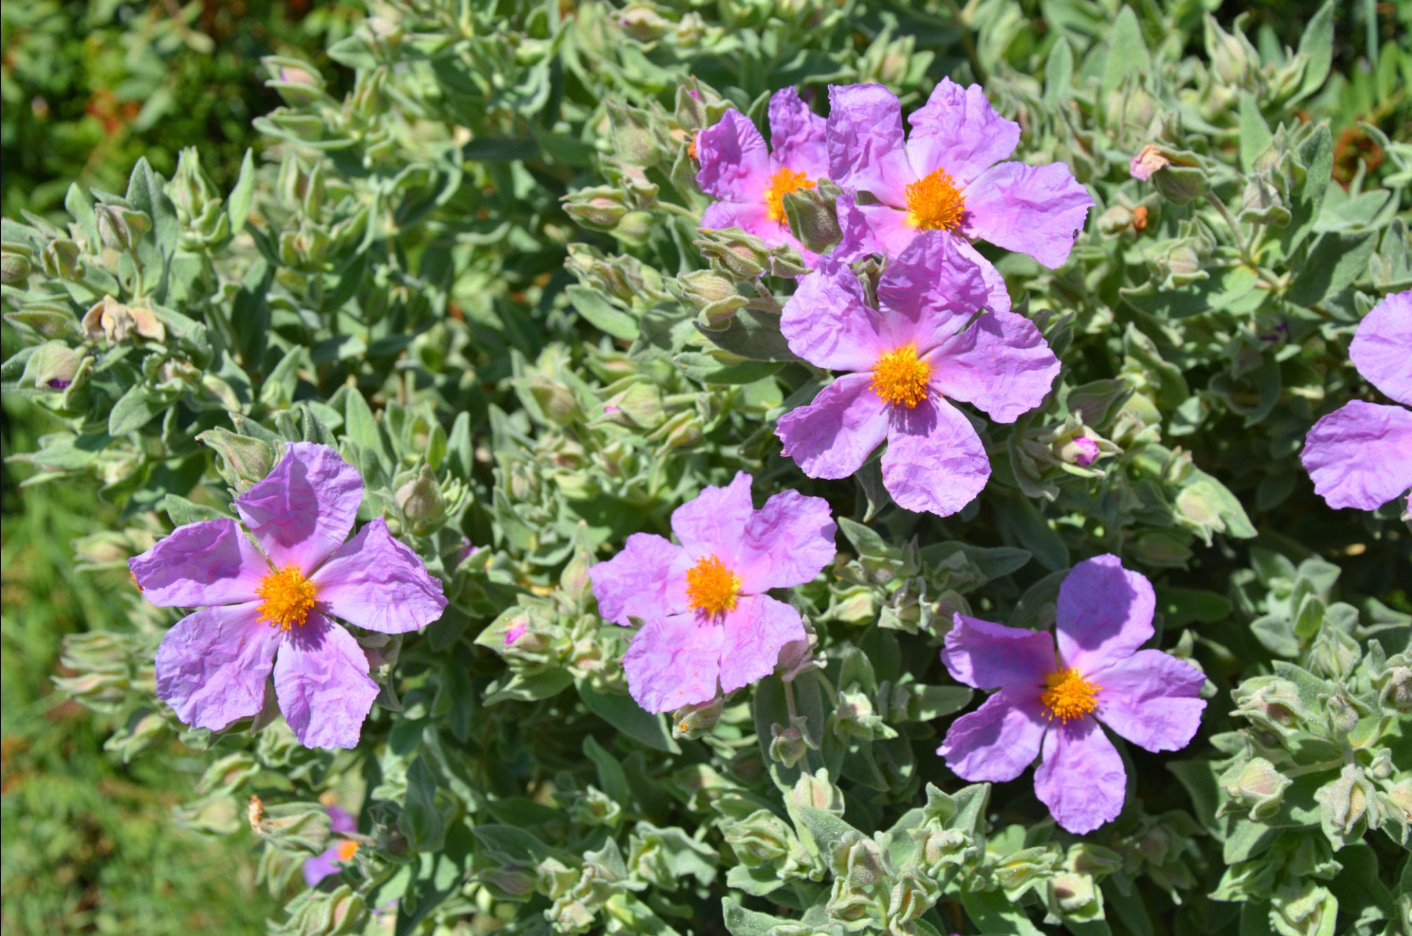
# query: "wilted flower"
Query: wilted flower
{"points": [[905, 359], [1052, 705], [1360, 455], [707, 617], [945, 178], [212, 666]]}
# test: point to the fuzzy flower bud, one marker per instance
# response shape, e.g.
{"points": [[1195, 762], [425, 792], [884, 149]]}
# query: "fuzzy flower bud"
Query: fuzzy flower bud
{"points": [[420, 500], [1344, 803], [710, 293], [1258, 785], [60, 260], [813, 217], [15, 266], [736, 254], [599, 208]]}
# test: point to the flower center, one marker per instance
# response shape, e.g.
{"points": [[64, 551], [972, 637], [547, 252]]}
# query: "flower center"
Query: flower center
{"points": [[289, 597], [346, 850], [935, 202], [782, 183], [1068, 695], [711, 587], [900, 378]]}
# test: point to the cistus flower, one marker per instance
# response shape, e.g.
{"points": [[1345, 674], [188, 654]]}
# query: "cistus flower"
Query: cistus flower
{"points": [[1360, 455], [283, 596], [1051, 705], [752, 182], [337, 855], [907, 359], [707, 619], [945, 177]]}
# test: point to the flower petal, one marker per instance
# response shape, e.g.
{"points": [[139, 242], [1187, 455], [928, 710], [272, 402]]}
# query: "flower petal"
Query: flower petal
{"points": [[753, 635], [798, 136], [888, 228], [212, 666], [325, 864], [787, 543], [1104, 614], [200, 564], [866, 147], [834, 435], [1151, 699], [713, 522], [305, 508], [940, 465], [377, 582], [321, 680], [646, 580], [1001, 364], [986, 656], [930, 290], [999, 299], [1082, 779], [1382, 347], [997, 741], [857, 240], [1360, 455], [1035, 210], [828, 323], [957, 130], [674, 661], [735, 165]]}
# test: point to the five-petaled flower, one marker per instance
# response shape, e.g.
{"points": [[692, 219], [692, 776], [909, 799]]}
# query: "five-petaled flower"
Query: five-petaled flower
{"points": [[945, 178], [1360, 455], [213, 665], [707, 619], [1052, 704], [906, 358]]}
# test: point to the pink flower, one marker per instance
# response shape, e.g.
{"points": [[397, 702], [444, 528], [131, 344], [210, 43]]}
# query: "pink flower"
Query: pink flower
{"points": [[282, 596], [337, 855], [905, 360], [1051, 706], [945, 178], [1360, 455], [707, 618], [749, 181]]}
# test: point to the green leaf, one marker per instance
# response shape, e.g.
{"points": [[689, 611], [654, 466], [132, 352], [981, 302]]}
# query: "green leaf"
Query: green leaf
{"points": [[993, 913], [134, 410], [1317, 155], [602, 314], [238, 205], [1059, 74], [1335, 262], [1316, 42], [1127, 53], [753, 335], [1255, 134], [627, 716], [421, 822]]}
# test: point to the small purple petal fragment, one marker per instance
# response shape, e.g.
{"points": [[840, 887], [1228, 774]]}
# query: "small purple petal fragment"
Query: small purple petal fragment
{"points": [[378, 583], [986, 656], [999, 740], [1104, 614], [1382, 347], [1151, 698], [753, 635], [1085, 451], [735, 165], [1360, 455], [674, 662], [515, 632], [200, 564], [212, 666], [305, 508], [321, 680], [1082, 779]]}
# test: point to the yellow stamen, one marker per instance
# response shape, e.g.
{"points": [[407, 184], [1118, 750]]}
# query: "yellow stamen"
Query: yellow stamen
{"points": [[346, 850], [289, 597], [1068, 695], [711, 587], [691, 147], [782, 183], [934, 202], [900, 378]]}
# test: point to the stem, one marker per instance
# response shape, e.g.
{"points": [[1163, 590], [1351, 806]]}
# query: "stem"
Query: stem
{"points": [[1234, 226]]}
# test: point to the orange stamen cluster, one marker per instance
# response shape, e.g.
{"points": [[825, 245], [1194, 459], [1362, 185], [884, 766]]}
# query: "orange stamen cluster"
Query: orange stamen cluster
{"points": [[346, 849], [934, 202], [289, 597], [782, 183], [1068, 695], [711, 587], [900, 378]]}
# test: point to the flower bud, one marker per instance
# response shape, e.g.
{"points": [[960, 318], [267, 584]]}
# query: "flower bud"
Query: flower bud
{"points": [[1342, 714], [120, 228], [1181, 184], [1075, 896], [1079, 450], [813, 217], [1230, 55], [817, 792], [291, 827], [710, 293], [420, 500], [599, 208], [117, 322], [634, 139], [1333, 654], [1343, 804], [759, 839], [14, 265], [787, 745], [51, 366], [640, 405], [241, 460], [738, 255], [298, 83], [635, 229], [693, 721], [60, 259], [1396, 689], [1258, 785]]}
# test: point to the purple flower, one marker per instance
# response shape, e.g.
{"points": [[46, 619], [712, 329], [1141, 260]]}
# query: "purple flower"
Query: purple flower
{"points": [[1360, 455], [1085, 451], [752, 183], [340, 853], [708, 619], [945, 177], [212, 666], [905, 359], [1051, 706]]}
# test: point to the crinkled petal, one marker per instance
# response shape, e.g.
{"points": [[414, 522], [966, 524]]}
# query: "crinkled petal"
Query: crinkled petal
{"points": [[866, 144], [341, 820], [1082, 779], [753, 218], [1151, 698], [735, 166], [674, 662], [322, 683], [200, 564], [378, 583], [828, 323], [646, 580], [1001, 364], [999, 740], [957, 130], [798, 136], [940, 471], [834, 435], [304, 509], [1104, 614], [325, 864], [1382, 347], [752, 637], [713, 522], [856, 239], [212, 666], [787, 543], [999, 298], [986, 656], [1035, 210], [888, 228], [930, 290], [1360, 455]]}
